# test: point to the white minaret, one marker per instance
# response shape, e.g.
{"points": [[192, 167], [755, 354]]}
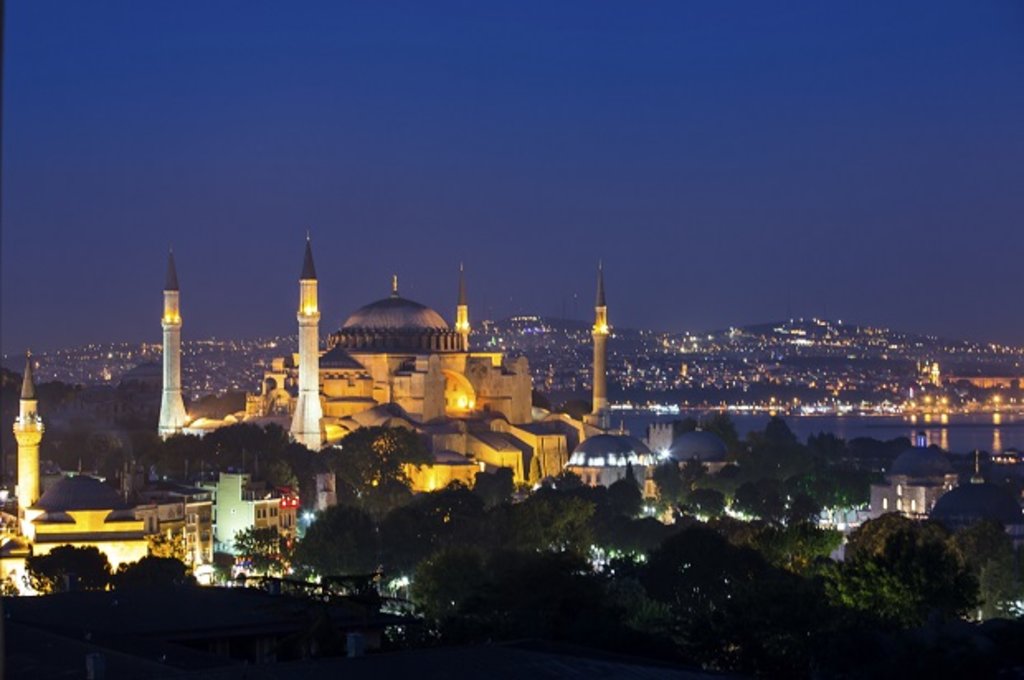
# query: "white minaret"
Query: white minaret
{"points": [[172, 408], [28, 431], [308, 412]]}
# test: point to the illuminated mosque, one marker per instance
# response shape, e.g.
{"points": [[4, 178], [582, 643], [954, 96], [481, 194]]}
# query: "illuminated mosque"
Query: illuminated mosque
{"points": [[80, 511], [398, 363]]}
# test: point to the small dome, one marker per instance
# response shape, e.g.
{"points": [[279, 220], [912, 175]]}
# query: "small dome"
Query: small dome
{"points": [[968, 504], [921, 462], [79, 493], [707, 447], [396, 313], [611, 450]]}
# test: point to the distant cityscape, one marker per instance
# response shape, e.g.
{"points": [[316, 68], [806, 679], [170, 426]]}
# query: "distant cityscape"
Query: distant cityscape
{"points": [[799, 366]]}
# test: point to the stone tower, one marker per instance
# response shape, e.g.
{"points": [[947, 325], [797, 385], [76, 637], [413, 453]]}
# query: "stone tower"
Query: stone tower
{"points": [[28, 431], [599, 416], [172, 408], [462, 312], [308, 411]]}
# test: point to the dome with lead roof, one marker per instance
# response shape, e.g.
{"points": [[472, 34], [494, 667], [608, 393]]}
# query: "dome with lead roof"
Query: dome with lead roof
{"points": [[80, 493], [700, 445], [395, 313], [976, 502], [920, 462]]}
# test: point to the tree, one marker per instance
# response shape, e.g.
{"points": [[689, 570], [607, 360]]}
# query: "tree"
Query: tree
{"points": [[802, 508], [495, 488], [370, 467], [452, 516], [575, 408], [730, 609], [152, 571], [279, 474], [682, 426], [341, 541], [8, 588], [173, 546], [795, 547], [900, 571], [722, 425], [988, 552], [624, 497], [707, 502], [67, 567], [761, 499], [671, 488], [567, 480], [692, 472], [447, 581], [263, 551], [549, 521], [696, 571]]}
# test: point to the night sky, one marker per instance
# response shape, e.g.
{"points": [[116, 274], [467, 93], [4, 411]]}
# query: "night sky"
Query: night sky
{"points": [[731, 162]]}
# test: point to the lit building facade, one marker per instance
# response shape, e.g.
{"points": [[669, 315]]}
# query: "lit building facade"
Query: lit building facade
{"points": [[918, 478], [240, 505], [179, 512]]}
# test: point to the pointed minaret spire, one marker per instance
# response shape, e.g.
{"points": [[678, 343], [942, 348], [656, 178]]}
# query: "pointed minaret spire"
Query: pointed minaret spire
{"points": [[308, 270], [28, 432], [462, 311], [599, 412], [394, 285], [28, 385], [171, 282], [172, 407], [306, 425], [462, 285], [977, 478]]}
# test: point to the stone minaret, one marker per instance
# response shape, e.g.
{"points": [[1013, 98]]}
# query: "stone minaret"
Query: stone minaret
{"points": [[308, 412], [28, 431], [462, 312], [599, 415], [172, 408]]}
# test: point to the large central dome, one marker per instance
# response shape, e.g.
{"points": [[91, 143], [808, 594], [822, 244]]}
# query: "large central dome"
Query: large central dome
{"points": [[395, 313], [396, 324]]}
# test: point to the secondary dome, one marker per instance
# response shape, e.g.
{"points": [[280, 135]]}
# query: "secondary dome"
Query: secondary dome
{"points": [[611, 450], [921, 462], [706, 447], [968, 504], [79, 493], [395, 313]]}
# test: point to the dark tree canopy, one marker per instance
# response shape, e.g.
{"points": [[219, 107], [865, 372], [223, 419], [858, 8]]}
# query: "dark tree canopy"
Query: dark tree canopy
{"points": [[152, 572], [341, 541], [66, 567]]}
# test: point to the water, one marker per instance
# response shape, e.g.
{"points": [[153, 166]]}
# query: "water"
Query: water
{"points": [[956, 433]]}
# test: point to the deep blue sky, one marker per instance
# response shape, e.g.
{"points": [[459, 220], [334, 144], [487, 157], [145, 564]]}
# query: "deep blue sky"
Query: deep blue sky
{"points": [[728, 160]]}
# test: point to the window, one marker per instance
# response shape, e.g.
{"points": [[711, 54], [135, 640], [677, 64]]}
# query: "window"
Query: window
{"points": [[899, 489], [885, 504], [913, 505]]}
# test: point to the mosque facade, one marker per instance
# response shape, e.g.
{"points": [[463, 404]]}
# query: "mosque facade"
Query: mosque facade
{"points": [[396, 362]]}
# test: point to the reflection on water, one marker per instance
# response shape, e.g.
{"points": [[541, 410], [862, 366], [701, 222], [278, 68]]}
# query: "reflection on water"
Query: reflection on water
{"points": [[994, 432]]}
